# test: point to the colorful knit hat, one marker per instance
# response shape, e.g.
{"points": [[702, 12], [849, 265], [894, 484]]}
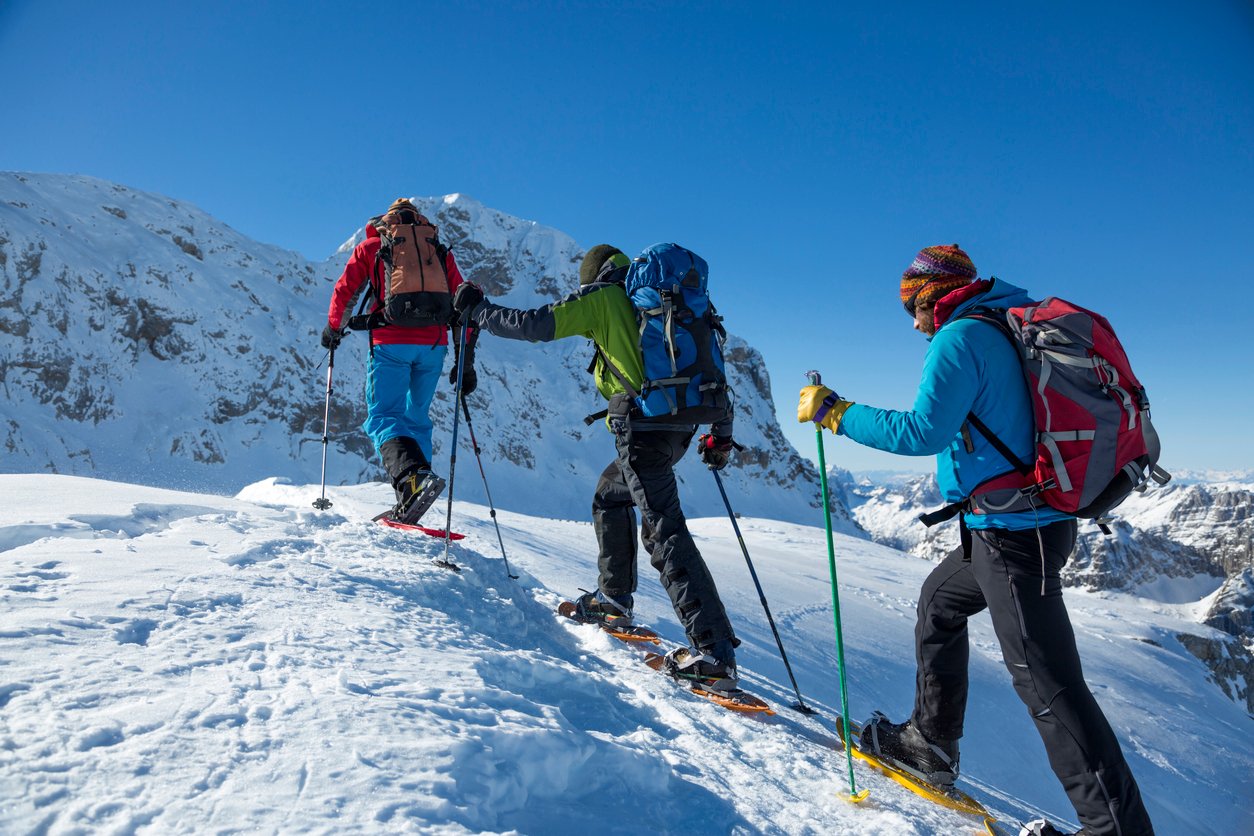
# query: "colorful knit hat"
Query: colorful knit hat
{"points": [[594, 260], [935, 272]]}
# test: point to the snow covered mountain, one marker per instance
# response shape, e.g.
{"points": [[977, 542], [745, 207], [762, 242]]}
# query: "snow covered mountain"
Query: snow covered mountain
{"points": [[1187, 542], [143, 340], [187, 663]]}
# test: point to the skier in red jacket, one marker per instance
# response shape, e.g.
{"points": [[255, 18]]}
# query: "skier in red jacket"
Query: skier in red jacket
{"points": [[410, 277]]}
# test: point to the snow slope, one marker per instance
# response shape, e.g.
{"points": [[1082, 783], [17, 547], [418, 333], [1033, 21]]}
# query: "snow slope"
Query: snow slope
{"points": [[177, 663]]}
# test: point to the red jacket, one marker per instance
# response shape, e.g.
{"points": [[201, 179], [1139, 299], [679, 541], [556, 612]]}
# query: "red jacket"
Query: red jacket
{"points": [[356, 280]]}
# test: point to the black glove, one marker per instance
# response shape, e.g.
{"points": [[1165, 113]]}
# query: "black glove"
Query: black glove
{"points": [[715, 450], [467, 296], [331, 337], [470, 379]]}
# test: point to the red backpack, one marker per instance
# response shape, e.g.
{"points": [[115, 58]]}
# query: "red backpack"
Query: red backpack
{"points": [[1095, 443]]}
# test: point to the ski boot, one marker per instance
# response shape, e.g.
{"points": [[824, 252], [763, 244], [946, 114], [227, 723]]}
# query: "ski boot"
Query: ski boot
{"points": [[599, 608], [904, 746], [703, 670], [415, 493]]}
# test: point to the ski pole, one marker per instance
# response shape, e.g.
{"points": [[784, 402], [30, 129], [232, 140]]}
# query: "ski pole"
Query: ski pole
{"points": [[452, 461], [854, 795], [800, 705], [474, 445], [322, 503]]}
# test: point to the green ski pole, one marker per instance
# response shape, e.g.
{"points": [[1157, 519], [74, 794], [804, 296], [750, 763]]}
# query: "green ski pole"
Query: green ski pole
{"points": [[854, 795]]}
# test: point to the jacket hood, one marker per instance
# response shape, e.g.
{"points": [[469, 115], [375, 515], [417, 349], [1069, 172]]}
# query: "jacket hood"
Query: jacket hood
{"points": [[985, 293]]}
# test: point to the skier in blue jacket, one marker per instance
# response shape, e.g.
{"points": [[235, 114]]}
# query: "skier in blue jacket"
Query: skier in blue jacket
{"points": [[1008, 563]]}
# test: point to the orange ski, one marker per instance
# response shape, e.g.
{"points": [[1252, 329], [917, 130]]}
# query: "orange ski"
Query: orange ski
{"points": [[626, 634], [734, 700]]}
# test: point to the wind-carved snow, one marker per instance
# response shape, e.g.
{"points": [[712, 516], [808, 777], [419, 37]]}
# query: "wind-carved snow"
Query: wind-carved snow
{"points": [[143, 340], [336, 680]]}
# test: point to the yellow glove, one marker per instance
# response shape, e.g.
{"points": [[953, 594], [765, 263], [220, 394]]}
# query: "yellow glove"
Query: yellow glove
{"points": [[822, 406]]}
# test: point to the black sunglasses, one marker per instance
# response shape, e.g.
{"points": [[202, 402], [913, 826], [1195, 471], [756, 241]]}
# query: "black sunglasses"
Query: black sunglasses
{"points": [[912, 303]]}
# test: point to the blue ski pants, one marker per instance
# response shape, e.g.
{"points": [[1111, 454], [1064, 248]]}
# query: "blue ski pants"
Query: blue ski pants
{"points": [[400, 383]]}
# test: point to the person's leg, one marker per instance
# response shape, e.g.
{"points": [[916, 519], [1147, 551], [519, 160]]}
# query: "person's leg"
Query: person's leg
{"points": [[614, 520], [646, 460], [949, 597], [387, 393], [1038, 645], [426, 371]]}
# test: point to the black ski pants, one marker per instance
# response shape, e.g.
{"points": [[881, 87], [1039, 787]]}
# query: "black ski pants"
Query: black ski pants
{"points": [[1002, 570], [642, 476]]}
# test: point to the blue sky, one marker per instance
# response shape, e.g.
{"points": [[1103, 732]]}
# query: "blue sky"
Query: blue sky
{"points": [[1100, 152]]}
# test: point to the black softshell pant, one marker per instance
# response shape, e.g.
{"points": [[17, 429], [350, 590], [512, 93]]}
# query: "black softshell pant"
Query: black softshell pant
{"points": [[1001, 570], [643, 476]]}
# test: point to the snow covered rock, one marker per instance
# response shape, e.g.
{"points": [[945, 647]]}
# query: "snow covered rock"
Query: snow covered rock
{"points": [[143, 340]]}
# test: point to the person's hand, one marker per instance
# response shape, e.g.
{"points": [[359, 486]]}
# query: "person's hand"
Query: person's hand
{"points": [[467, 296], [822, 406], [715, 450], [470, 378], [331, 337]]}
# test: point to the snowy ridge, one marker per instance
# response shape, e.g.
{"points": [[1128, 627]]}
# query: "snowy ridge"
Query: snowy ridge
{"points": [[183, 663], [143, 340]]}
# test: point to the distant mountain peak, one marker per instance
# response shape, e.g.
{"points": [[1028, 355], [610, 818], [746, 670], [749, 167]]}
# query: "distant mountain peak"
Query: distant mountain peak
{"points": [[182, 353]]}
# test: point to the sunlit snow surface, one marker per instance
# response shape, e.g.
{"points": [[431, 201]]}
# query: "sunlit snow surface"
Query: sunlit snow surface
{"points": [[175, 662]]}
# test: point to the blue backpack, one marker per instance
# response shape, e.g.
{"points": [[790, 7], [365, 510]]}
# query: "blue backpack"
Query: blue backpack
{"points": [[681, 337]]}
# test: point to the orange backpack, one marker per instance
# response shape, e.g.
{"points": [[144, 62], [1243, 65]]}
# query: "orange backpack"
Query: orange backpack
{"points": [[410, 280]]}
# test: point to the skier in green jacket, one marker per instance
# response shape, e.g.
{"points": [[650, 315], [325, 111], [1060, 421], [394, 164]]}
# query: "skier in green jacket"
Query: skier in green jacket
{"points": [[642, 474]]}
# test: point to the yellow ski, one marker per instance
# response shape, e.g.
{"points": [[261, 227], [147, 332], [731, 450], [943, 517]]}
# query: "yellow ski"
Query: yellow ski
{"points": [[954, 799]]}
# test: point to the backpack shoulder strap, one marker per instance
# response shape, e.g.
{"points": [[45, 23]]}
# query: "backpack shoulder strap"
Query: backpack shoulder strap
{"points": [[997, 318], [1006, 453]]}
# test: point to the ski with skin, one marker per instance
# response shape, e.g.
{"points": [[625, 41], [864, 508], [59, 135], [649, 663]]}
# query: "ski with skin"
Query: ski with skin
{"points": [[386, 519], [737, 700], [632, 634], [954, 799]]}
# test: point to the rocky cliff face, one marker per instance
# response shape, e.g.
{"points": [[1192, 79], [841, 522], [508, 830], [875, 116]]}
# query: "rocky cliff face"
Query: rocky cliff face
{"points": [[145, 341]]}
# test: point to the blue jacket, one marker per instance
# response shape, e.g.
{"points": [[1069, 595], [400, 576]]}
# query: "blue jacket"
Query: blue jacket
{"points": [[970, 367]]}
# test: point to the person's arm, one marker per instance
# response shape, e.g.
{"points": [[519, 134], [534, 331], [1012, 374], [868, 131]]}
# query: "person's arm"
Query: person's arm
{"points": [[583, 313], [946, 393], [355, 277]]}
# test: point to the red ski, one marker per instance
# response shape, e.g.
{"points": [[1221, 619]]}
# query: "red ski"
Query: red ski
{"points": [[386, 519]]}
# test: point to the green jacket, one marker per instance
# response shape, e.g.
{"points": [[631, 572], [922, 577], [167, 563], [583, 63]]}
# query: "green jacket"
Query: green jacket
{"points": [[599, 312]]}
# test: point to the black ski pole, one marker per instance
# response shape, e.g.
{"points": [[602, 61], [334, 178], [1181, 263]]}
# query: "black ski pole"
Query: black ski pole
{"points": [[322, 503], [800, 705], [452, 459], [474, 445]]}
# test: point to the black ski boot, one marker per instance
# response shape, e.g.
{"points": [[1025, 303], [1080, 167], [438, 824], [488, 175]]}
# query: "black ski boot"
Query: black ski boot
{"points": [[415, 485], [703, 670], [599, 608], [904, 746], [415, 493]]}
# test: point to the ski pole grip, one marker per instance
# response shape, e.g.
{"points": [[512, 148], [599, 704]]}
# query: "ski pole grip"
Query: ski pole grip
{"points": [[815, 378]]}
